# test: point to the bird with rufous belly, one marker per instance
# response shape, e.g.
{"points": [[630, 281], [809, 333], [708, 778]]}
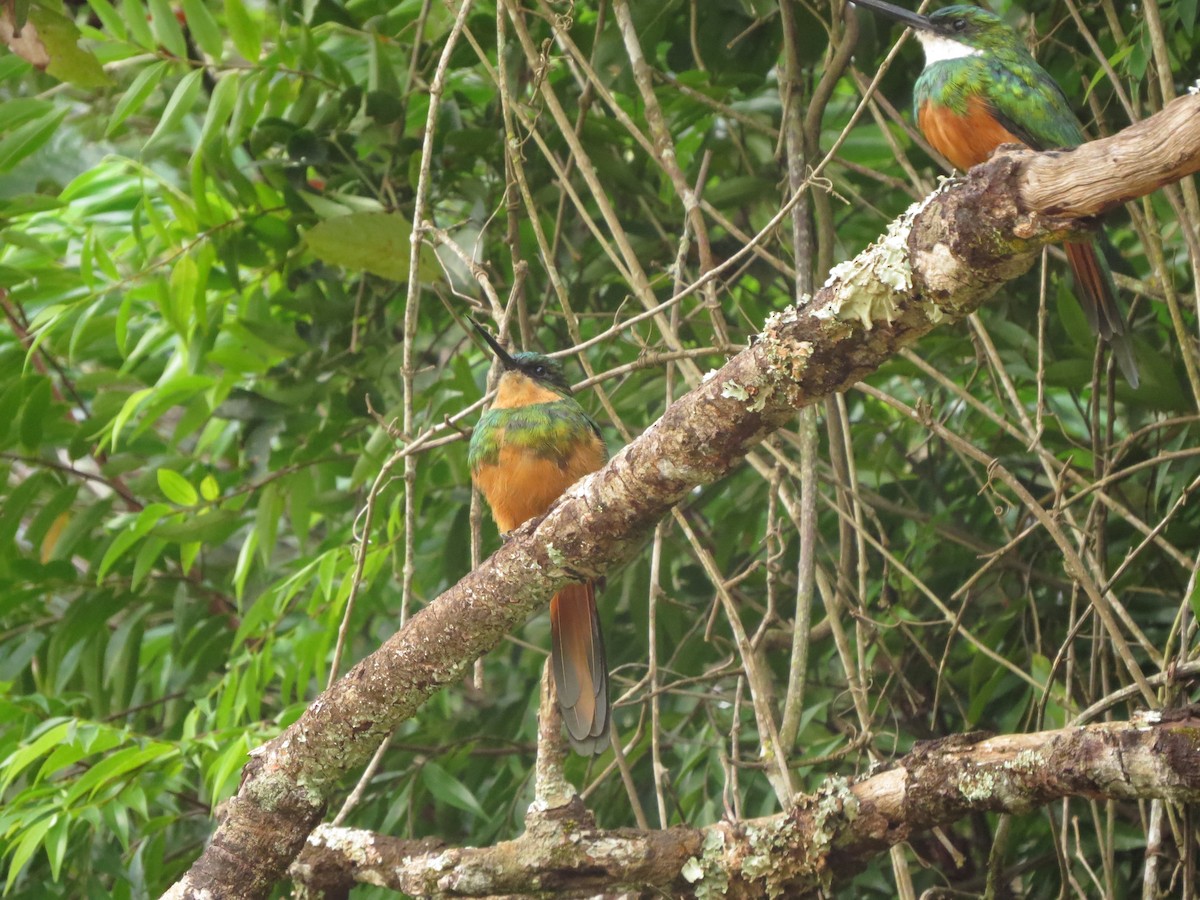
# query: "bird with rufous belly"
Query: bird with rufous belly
{"points": [[982, 88], [533, 443]]}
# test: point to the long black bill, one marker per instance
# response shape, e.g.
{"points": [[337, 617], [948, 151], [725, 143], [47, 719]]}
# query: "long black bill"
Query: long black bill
{"points": [[503, 355], [909, 18]]}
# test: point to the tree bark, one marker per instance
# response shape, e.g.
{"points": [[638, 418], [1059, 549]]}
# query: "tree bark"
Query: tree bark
{"points": [[937, 263], [828, 837]]}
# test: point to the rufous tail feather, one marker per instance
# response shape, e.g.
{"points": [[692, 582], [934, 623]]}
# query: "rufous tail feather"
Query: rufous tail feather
{"points": [[580, 667], [1097, 293]]}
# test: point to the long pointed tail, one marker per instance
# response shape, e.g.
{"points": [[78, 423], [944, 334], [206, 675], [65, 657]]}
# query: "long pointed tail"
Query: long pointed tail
{"points": [[580, 668], [1097, 291]]}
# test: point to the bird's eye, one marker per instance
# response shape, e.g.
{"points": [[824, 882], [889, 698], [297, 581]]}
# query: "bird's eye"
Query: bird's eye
{"points": [[540, 370], [960, 24]]}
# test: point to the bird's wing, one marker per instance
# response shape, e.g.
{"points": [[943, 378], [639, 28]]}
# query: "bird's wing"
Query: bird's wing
{"points": [[596, 431], [1030, 104]]}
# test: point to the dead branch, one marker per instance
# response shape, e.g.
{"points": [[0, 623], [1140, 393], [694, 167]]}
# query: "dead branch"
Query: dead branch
{"points": [[1095, 177]]}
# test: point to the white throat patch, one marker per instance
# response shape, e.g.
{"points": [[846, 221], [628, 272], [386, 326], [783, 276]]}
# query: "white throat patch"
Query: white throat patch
{"points": [[938, 48]]}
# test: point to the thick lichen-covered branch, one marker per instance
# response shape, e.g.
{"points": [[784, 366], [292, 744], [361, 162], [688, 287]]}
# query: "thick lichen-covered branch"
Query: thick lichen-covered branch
{"points": [[1092, 178], [828, 836]]}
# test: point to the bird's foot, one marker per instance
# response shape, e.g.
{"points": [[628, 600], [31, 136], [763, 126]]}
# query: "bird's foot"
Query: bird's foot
{"points": [[576, 575]]}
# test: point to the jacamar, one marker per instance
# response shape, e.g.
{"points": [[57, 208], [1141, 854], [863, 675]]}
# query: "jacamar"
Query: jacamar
{"points": [[981, 88], [531, 445]]}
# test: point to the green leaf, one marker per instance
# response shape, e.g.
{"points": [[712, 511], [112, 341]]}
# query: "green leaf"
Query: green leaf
{"points": [[19, 110], [109, 18], [148, 556], [68, 753], [18, 500], [132, 402], [182, 289], [176, 488], [131, 534], [28, 138], [119, 546], [38, 405], [245, 561], [259, 617], [166, 28], [209, 527], [31, 840], [1186, 10], [174, 389], [180, 104], [115, 765], [326, 572], [56, 845], [204, 28], [449, 790], [271, 339], [384, 106], [133, 13], [188, 553], [68, 61], [17, 761], [122, 655], [373, 242], [131, 101], [266, 521], [223, 771], [209, 489], [243, 29], [220, 108], [299, 494]]}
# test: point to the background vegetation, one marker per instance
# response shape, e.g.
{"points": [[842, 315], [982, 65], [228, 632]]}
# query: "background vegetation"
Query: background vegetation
{"points": [[213, 357]]}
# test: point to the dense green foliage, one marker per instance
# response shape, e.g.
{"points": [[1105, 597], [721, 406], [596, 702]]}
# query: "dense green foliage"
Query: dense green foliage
{"points": [[204, 259]]}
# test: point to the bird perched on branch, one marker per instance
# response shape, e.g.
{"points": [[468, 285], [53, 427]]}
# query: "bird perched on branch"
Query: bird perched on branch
{"points": [[531, 445], [981, 88]]}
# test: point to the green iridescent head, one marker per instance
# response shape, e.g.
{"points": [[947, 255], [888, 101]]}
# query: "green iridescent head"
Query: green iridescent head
{"points": [[535, 366], [541, 369], [953, 31], [975, 27]]}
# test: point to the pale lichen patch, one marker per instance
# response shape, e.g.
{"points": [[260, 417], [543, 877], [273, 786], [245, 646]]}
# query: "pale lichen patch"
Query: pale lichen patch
{"points": [[984, 784], [785, 316], [756, 394], [866, 286], [836, 804], [734, 391], [789, 357], [760, 862], [355, 844], [1146, 718], [977, 786], [760, 399], [272, 788], [707, 871], [1027, 761]]}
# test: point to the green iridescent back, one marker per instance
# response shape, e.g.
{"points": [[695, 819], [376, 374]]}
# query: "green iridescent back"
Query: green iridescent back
{"points": [[1023, 96], [548, 430]]}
